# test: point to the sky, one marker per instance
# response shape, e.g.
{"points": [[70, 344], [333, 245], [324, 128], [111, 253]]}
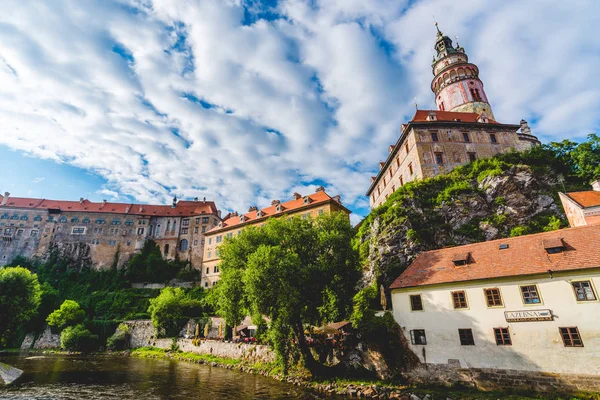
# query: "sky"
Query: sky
{"points": [[246, 101]]}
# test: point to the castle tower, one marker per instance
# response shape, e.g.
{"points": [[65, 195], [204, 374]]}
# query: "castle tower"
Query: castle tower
{"points": [[456, 82]]}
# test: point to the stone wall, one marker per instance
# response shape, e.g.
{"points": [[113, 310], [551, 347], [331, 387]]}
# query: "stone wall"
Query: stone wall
{"points": [[142, 333], [252, 353], [502, 379], [47, 340]]}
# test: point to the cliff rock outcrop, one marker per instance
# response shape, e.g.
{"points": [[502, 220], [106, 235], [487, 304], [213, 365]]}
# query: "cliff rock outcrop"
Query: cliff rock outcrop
{"points": [[486, 200]]}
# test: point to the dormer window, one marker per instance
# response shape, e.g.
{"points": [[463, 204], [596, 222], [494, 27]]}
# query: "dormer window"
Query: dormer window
{"points": [[461, 259], [259, 214], [307, 200], [278, 208], [243, 218], [432, 116], [554, 246]]}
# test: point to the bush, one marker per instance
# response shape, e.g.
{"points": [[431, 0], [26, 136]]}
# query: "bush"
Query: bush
{"points": [[78, 338], [69, 313], [120, 340]]}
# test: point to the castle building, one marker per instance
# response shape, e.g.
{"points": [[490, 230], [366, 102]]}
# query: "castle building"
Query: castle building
{"points": [[582, 208], [99, 232], [462, 129], [309, 206]]}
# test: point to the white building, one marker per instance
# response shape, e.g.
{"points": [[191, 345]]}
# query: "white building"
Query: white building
{"points": [[527, 303]]}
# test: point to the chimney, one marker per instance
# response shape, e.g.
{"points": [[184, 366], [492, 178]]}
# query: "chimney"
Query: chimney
{"points": [[525, 129], [320, 189], [204, 199], [337, 198], [297, 196], [5, 199], [174, 202], [103, 201], [275, 202], [195, 199], [253, 208], [234, 214], [596, 185], [81, 200]]}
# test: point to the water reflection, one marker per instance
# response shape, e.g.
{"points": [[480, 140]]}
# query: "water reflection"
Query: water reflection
{"points": [[107, 377]]}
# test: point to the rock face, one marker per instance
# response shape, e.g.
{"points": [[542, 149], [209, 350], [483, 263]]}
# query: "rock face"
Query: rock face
{"points": [[8, 374], [456, 210]]}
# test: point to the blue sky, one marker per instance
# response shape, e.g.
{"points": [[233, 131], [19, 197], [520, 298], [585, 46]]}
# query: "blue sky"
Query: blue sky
{"points": [[243, 102]]}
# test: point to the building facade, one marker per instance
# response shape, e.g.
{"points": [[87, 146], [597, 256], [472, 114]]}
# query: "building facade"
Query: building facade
{"points": [[461, 130], [582, 208], [309, 206], [527, 303], [96, 233]]}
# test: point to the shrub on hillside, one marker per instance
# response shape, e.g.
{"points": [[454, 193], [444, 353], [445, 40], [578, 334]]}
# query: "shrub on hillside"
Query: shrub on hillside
{"points": [[120, 340], [69, 313], [78, 338]]}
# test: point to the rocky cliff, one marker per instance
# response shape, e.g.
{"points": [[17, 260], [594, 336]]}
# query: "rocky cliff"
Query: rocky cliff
{"points": [[485, 200]]}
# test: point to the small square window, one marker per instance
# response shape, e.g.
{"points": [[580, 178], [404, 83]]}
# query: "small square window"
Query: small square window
{"points": [[502, 337], [466, 337], [584, 291], [530, 294], [459, 299], [185, 222], [416, 303], [417, 336], [571, 337], [493, 297]]}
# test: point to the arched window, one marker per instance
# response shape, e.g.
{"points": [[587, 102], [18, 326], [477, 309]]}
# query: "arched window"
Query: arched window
{"points": [[166, 249], [183, 245]]}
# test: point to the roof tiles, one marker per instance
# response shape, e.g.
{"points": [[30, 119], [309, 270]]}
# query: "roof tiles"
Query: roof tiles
{"points": [[525, 255], [590, 198]]}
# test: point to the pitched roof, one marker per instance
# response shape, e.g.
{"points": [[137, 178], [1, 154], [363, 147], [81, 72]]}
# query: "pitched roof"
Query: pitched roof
{"points": [[448, 116], [183, 208], [525, 255], [314, 199], [590, 198]]}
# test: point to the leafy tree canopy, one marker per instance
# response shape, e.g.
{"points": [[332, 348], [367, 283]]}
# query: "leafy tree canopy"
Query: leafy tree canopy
{"points": [[69, 313], [582, 159], [294, 271], [78, 338], [173, 307], [20, 297]]}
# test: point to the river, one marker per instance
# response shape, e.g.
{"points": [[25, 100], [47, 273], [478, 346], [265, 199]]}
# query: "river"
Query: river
{"points": [[120, 377]]}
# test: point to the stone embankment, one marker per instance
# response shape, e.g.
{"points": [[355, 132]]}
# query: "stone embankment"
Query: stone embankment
{"points": [[47, 340]]}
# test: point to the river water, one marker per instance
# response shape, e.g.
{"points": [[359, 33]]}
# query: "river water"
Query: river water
{"points": [[120, 377]]}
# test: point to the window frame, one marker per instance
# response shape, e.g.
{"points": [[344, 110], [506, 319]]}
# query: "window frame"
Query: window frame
{"points": [[457, 292], [560, 331], [539, 294], [503, 339], [413, 337], [593, 289], [501, 305], [466, 137], [460, 336], [439, 154], [435, 137], [493, 138], [410, 301]]}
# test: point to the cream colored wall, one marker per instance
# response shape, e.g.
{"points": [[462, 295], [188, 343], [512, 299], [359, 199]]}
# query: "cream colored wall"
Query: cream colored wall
{"points": [[536, 346]]}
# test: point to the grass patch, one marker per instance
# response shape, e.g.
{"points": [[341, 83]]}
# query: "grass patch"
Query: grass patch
{"points": [[152, 352]]}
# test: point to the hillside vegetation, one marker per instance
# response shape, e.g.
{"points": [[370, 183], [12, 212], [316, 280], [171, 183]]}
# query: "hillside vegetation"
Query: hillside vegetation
{"points": [[509, 195]]}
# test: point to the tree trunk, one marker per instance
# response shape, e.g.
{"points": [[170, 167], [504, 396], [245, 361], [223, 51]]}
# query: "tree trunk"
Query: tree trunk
{"points": [[316, 369]]}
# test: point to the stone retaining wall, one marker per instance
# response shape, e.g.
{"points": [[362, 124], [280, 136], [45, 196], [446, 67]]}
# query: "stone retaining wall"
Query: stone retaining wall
{"points": [[502, 379], [47, 340], [252, 353]]}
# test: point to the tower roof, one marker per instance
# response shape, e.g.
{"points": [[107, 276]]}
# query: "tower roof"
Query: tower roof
{"points": [[443, 45]]}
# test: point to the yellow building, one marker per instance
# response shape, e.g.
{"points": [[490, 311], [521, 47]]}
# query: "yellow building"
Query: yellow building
{"points": [[311, 206]]}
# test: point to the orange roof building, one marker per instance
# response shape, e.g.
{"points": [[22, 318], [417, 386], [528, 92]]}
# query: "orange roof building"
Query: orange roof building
{"points": [[527, 304], [309, 206], [582, 208], [94, 232], [462, 129]]}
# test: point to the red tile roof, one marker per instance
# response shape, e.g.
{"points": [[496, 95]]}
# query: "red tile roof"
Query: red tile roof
{"points": [[448, 116], [183, 208], [525, 255], [292, 205], [590, 198]]}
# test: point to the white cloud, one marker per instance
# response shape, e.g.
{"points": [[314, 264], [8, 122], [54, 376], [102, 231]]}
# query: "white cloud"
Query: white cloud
{"points": [[177, 97], [37, 180]]}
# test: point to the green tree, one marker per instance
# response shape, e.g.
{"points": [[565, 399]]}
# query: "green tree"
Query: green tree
{"points": [[69, 313], [20, 297], [78, 338], [297, 272], [172, 308]]}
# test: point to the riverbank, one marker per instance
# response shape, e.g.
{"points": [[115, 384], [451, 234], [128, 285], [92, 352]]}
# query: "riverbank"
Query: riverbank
{"points": [[342, 387]]}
